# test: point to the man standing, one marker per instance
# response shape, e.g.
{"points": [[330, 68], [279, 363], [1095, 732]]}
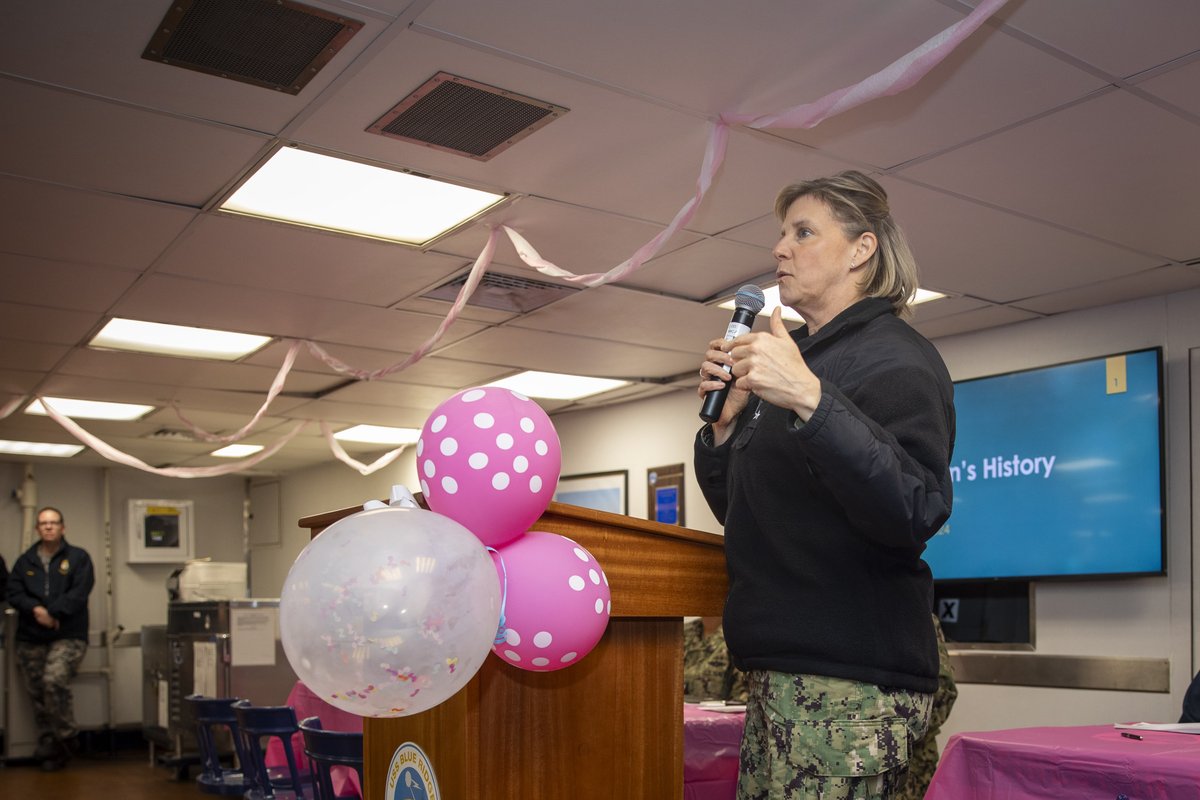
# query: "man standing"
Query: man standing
{"points": [[49, 588]]}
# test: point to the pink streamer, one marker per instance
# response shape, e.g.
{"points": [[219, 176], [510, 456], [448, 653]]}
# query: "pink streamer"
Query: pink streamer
{"points": [[901, 74], [276, 387], [893, 79], [714, 155], [341, 455], [11, 406], [476, 274], [113, 454]]}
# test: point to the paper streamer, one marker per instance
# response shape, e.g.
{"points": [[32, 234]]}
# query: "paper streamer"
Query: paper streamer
{"points": [[276, 387], [481, 264], [11, 406], [341, 455], [893, 79], [113, 454]]}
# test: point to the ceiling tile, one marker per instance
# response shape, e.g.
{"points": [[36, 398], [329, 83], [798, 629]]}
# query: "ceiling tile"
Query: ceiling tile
{"points": [[1049, 169]]}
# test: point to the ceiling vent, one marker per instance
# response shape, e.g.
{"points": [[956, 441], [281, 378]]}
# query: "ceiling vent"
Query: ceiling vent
{"points": [[465, 117], [171, 435], [276, 44], [503, 292]]}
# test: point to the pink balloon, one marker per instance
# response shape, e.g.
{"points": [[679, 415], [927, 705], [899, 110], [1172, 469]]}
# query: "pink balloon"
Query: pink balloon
{"points": [[489, 459], [556, 605]]}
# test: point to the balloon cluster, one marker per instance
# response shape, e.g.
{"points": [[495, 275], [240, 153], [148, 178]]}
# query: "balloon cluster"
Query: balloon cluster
{"points": [[392, 610]]}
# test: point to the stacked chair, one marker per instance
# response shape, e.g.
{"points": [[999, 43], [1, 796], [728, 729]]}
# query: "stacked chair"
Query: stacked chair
{"points": [[326, 749], [214, 716], [257, 725]]}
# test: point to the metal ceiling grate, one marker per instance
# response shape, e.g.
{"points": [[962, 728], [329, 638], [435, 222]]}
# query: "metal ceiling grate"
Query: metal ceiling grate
{"points": [[465, 117], [503, 292], [276, 44]]}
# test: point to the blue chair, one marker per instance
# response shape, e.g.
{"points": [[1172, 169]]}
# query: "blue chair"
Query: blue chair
{"points": [[326, 749], [214, 716], [258, 725]]}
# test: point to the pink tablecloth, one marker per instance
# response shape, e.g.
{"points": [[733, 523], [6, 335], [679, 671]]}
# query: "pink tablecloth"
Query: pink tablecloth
{"points": [[345, 780], [710, 753], [1061, 763]]}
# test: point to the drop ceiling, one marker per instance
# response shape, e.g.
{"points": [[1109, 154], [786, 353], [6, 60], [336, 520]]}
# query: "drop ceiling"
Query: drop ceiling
{"points": [[1048, 165]]}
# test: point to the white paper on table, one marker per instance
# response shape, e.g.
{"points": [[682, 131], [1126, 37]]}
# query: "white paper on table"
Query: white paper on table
{"points": [[1169, 727]]}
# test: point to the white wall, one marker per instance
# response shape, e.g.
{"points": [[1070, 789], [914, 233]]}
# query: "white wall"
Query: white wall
{"points": [[313, 491]]}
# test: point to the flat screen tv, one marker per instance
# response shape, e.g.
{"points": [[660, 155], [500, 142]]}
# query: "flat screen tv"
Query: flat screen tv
{"points": [[1058, 473]]}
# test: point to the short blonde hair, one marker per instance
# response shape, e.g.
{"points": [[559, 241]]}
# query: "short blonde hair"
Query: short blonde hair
{"points": [[860, 204]]}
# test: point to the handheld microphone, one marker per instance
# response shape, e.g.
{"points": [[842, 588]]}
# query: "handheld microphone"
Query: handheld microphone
{"points": [[747, 303]]}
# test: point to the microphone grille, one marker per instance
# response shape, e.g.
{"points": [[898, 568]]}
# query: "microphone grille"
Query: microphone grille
{"points": [[751, 298]]}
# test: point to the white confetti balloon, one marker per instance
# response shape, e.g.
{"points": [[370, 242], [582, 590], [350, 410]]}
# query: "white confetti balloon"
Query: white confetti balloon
{"points": [[389, 612]]}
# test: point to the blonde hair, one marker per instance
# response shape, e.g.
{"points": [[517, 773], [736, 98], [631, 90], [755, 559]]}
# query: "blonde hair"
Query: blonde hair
{"points": [[860, 204]]}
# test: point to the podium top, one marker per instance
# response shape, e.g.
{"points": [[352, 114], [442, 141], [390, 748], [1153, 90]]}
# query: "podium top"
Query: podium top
{"points": [[653, 569]]}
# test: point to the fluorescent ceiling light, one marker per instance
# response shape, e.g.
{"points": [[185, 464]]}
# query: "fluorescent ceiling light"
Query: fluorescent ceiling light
{"points": [[39, 449], [320, 191], [553, 386], [91, 409], [379, 434], [772, 295], [237, 450], [176, 340]]}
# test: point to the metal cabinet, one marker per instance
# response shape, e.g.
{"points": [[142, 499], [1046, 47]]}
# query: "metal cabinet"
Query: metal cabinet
{"points": [[219, 648]]}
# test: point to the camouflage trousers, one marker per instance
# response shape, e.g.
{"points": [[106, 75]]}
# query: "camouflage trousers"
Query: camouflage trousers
{"points": [[810, 737], [48, 670], [923, 759]]}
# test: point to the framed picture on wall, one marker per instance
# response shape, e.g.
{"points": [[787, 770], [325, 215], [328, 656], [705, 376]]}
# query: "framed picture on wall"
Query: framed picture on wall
{"points": [[603, 491], [160, 531]]}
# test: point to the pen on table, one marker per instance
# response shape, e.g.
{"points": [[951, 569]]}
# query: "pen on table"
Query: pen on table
{"points": [[1129, 735]]}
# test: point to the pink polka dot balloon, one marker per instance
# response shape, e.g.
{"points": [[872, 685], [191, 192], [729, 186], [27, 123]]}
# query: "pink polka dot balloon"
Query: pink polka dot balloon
{"points": [[489, 459], [556, 602]]}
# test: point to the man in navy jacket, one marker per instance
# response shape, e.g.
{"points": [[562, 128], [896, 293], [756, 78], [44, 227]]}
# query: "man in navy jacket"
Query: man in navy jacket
{"points": [[49, 587]]}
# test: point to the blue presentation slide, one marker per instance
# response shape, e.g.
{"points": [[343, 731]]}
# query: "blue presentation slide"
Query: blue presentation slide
{"points": [[1056, 472]]}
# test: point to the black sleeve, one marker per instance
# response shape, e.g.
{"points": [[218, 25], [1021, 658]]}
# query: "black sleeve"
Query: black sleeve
{"points": [[711, 465], [1191, 701], [885, 453]]}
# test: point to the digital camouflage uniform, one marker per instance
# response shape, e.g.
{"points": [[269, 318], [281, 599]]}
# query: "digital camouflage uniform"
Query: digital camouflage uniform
{"points": [[924, 757], [708, 671], [48, 670], [811, 737], [50, 656]]}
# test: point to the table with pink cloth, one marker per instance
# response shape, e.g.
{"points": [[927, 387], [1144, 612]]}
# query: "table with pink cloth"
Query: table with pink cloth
{"points": [[710, 752], [301, 698], [1093, 761]]}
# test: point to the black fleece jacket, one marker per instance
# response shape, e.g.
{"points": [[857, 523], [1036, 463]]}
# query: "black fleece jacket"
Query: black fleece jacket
{"points": [[825, 521], [63, 589]]}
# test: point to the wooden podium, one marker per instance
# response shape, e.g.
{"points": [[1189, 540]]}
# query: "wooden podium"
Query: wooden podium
{"points": [[610, 726]]}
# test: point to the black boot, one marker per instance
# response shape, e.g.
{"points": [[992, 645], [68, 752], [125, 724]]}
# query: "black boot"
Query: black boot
{"points": [[63, 750], [47, 747]]}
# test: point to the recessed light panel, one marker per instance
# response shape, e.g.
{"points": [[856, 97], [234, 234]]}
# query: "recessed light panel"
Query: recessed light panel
{"points": [[90, 409], [237, 450], [176, 340], [379, 434], [555, 386], [335, 194], [39, 448]]}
